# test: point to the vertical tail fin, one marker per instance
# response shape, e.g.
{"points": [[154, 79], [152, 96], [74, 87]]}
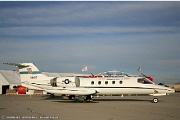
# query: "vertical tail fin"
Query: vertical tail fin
{"points": [[28, 68], [29, 72]]}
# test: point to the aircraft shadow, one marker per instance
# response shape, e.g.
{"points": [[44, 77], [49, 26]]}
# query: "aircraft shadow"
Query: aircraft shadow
{"points": [[2, 108], [61, 100], [95, 100], [130, 100]]}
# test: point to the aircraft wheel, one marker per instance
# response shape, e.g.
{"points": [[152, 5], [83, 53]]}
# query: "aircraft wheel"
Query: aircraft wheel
{"points": [[88, 98], [52, 96], [71, 97], [155, 100]]}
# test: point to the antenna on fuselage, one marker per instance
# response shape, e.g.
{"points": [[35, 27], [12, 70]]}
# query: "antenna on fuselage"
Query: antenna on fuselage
{"points": [[140, 71]]}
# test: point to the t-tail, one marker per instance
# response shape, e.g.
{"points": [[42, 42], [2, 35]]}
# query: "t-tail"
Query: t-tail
{"points": [[31, 76]]}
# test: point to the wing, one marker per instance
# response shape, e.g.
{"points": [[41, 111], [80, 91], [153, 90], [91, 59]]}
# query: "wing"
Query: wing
{"points": [[63, 90], [71, 91]]}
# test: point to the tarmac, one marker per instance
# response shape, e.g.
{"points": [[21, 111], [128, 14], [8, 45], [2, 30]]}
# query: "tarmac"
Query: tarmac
{"points": [[41, 107]]}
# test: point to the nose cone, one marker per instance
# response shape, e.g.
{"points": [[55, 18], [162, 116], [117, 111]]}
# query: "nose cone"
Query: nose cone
{"points": [[171, 90], [166, 90]]}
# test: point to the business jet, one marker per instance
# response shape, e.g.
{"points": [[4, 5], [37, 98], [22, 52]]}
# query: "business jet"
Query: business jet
{"points": [[86, 87]]}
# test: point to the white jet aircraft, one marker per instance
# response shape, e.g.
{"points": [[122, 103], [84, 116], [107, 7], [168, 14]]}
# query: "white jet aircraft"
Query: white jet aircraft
{"points": [[85, 87]]}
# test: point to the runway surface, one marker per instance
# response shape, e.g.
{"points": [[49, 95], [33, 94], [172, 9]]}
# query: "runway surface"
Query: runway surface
{"points": [[103, 108]]}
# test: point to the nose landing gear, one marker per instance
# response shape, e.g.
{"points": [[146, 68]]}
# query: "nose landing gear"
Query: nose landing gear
{"points": [[155, 100]]}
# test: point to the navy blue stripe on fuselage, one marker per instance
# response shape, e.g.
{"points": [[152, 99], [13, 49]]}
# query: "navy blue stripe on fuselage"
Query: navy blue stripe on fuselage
{"points": [[126, 87], [34, 72]]}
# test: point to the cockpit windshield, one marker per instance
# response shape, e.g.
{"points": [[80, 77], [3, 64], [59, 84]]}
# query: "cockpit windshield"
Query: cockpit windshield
{"points": [[115, 73], [144, 81]]}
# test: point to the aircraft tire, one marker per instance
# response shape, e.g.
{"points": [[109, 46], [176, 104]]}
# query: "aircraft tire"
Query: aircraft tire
{"points": [[71, 97], [52, 96], [88, 98], [155, 100]]}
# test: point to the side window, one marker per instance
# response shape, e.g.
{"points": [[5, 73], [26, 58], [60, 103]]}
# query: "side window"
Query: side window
{"points": [[113, 82], [92, 82], [120, 82], [99, 82], [106, 82]]}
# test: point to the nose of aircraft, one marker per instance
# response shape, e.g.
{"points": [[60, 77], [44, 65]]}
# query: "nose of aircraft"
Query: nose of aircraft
{"points": [[166, 89], [171, 90]]}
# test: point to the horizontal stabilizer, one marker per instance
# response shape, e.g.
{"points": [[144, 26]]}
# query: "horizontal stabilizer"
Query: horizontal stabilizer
{"points": [[20, 66]]}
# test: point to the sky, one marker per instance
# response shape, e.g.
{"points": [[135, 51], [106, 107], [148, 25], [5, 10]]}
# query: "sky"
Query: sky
{"points": [[67, 36]]}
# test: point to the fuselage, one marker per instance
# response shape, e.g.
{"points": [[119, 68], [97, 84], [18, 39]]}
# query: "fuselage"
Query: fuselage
{"points": [[100, 85], [123, 85]]}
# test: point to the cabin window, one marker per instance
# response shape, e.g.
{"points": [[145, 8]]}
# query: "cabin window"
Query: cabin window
{"points": [[120, 82], [92, 82], [144, 81], [113, 82], [99, 82], [106, 82]]}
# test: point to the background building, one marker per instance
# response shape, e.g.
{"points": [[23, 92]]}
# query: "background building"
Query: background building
{"points": [[8, 79]]}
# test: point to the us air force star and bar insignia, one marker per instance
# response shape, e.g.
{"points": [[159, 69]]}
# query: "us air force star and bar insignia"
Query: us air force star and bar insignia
{"points": [[66, 81]]}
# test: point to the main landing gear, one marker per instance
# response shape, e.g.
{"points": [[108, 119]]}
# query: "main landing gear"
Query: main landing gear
{"points": [[84, 99], [52, 96], [89, 98], [71, 97]]}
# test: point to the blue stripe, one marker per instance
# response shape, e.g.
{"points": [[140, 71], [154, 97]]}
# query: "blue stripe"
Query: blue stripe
{"points": [[34, 72]]}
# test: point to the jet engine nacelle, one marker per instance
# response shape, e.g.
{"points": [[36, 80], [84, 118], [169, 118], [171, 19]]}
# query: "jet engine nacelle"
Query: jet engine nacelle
{"points": [[65, 82]]}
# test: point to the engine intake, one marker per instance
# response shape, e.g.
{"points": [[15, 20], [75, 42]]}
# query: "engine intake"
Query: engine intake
{"points": [[53, 82], [65, 82]]}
